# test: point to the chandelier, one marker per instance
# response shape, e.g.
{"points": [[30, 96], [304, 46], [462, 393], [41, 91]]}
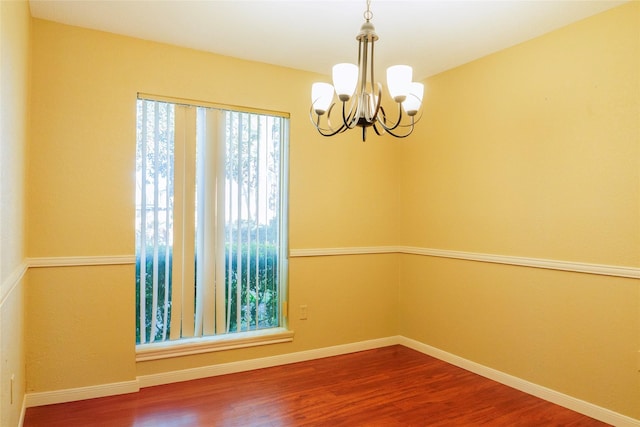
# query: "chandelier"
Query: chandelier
{"points": [[361, 95]]}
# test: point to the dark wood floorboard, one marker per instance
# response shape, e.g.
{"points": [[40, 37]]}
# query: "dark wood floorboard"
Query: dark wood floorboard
{"points": [[391, 386]]}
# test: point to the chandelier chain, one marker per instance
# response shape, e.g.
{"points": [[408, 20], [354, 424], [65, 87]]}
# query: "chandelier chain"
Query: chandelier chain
{"points": [[368, 15]]}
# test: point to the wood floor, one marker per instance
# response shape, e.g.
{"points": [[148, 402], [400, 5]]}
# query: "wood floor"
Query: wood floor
{"points": [[391, 386]]}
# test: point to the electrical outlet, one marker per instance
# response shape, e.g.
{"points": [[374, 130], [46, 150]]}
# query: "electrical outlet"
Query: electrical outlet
{"points": [[303, 312]]}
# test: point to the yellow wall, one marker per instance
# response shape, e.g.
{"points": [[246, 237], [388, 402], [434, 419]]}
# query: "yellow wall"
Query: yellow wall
{"points": [[14, 83], [81, 171], [533, 152]]}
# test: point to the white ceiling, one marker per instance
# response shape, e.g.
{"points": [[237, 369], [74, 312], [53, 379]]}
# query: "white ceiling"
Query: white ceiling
{"points": [[430, 35]]}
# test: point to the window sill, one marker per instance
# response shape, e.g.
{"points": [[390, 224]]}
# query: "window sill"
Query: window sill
{"points": [[190, 346]]}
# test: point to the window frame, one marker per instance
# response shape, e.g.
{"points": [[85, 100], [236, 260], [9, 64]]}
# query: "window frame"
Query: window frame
{"points": [[211, 343]]}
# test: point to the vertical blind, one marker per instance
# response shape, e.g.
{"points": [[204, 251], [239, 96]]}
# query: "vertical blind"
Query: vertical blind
{"points": [[210, 220]]}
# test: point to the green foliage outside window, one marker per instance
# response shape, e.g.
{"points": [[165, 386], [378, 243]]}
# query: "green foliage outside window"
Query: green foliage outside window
{"points": [[259, 307]]}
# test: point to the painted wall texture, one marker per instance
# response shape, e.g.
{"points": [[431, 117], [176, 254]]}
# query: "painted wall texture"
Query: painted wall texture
{"points": [[532, 152], [81, 194], [14, 96]]}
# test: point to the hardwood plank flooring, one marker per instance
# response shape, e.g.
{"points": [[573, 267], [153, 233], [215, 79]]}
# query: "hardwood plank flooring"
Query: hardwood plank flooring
{"points": [[390, 386]]}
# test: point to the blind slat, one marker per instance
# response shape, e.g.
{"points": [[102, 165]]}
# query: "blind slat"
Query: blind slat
{"points": [[259, 144], [177, 275], [207, 154], [169, 225], [188, 225], [143, 227], [239, 190], [156, 207], [220, 219]]}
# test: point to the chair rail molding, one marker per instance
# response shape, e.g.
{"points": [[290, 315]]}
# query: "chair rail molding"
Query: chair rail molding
{"points": [[77, 261], [12, 281], [549, 264]]}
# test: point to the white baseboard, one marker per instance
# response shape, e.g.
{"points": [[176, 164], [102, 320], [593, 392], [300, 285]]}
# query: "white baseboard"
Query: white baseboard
{"points": [[80, 393], [265, 362], [23, 411], [589, 409], [605, 415]]}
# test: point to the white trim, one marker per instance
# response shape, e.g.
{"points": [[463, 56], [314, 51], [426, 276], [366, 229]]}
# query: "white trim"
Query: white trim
{"points": [[102, 390], [76, 261], [577, 267], [112, 389], [198, 345], [214, 105], [23, 411], [12, 282], [549, 264], [362, 250], [80, 393], [577, 405], [265, 362], [589, 409]]}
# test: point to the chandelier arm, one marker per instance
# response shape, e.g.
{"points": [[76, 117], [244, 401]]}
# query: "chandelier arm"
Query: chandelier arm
{"points": [[383, 120], [393, 126], [373, 80], [394, 134], [378, 106], [416, 120], [397, 135], [365, 65], [362, 66], [329, 131], [402, 125], [350, 120]]}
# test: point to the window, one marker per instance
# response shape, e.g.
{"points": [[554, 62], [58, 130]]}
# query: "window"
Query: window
{"points": [[210, 221]]}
